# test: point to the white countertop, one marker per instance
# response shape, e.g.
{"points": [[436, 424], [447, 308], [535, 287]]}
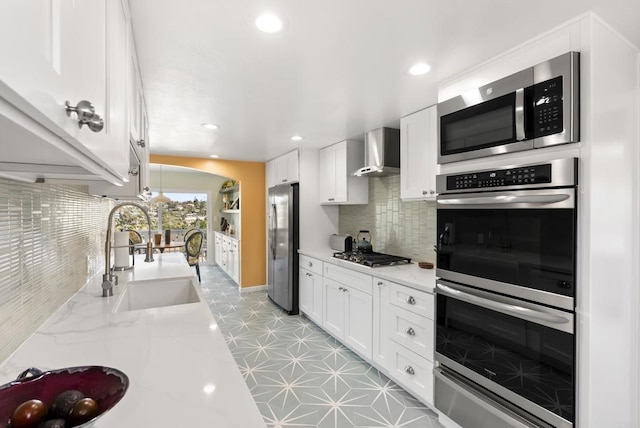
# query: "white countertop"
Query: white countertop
{"points": [[180, 369], [409, 274], [233, 236]]}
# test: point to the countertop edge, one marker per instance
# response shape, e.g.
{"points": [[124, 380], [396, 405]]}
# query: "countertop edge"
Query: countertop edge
{"points": [[410, 275]]}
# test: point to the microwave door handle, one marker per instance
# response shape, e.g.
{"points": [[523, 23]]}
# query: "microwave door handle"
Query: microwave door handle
{"points": [[505, 308], [519, 115], [502, 199]]}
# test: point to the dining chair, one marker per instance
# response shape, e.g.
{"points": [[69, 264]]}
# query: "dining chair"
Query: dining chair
{"points": [[188, 233], [192, 247]]}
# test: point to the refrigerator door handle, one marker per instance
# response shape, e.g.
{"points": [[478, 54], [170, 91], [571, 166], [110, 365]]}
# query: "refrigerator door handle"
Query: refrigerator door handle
{"points": [[274, 225]]}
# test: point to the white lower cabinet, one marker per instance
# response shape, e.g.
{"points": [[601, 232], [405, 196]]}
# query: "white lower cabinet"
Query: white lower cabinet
{"points": [[227, 255], [310, 288], [386, 323], [348, 308], [412, 372], [404, 336]]}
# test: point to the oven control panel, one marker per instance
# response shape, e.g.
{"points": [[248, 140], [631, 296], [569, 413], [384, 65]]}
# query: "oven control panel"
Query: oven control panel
{"points": [[521, 176]]}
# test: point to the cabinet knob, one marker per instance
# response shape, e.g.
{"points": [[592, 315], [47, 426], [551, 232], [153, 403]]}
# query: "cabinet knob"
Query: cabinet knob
{"points": [[411, 300], [345, 290], [409, 370], [432, 192], [284, 180], [424, 192], [141, 143], [308, 274], [410, 331], [86, 114], [380, 283], [310, 264], [134, 172], [341, 288], [331, 199]]}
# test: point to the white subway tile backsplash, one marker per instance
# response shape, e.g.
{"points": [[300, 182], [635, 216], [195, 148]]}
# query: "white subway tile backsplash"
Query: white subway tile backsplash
{"points": [[402, 228], [51, 241]]}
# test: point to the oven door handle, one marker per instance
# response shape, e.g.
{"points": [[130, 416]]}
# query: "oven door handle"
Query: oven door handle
{"points": [[505, 308], [502, 199]]}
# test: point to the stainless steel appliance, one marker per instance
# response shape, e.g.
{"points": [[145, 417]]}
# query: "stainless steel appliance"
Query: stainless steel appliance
{"points": [[505, 320], [341, 242], [534, 108], [381, 153], [282, 261], [371, 259]]}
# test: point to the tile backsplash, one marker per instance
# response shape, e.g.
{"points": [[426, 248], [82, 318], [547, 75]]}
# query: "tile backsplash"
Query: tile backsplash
{"points": [[51, 243], [401, 228]]}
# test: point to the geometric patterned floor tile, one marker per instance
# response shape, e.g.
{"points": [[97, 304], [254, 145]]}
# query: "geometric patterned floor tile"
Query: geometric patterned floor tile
{"points": [[300, 376]]}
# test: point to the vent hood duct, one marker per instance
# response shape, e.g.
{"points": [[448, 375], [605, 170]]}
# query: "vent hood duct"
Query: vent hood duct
{"points": [[381, 153]]}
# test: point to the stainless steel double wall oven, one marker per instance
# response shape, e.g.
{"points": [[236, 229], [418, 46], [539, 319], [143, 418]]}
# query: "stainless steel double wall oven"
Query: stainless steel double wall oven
{"points": [[506, 250]]}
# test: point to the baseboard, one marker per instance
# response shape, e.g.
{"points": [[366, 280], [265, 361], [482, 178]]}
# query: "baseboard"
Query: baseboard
{"points": [[252, 289]]}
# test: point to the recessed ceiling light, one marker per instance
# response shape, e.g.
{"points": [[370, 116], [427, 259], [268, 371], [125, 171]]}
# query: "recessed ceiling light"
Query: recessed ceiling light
{"points": [[269, 23], [296, 138], [419, 69], [211, 126], [214, 156]]}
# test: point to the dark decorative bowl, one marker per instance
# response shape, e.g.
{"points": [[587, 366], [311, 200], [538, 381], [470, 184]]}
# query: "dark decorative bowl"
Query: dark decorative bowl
{"points": [[104, 384]]}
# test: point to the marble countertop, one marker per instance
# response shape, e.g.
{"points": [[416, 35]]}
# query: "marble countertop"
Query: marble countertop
{"points": [[409, 274], [180, 369], [233, 236]]}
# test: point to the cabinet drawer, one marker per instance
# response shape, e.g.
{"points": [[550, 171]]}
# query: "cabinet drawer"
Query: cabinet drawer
{"points": [[416, 301], [412, 372], [413, 331], [350, 278], [311, 264]]}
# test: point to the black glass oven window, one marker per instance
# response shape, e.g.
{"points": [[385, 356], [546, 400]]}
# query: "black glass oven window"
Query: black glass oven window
{"points": [[526, 247], [488, 124], [533, 361]]}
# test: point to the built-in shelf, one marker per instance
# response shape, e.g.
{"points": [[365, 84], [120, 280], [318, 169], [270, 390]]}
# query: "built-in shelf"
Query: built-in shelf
{"points": [[230, 211]]}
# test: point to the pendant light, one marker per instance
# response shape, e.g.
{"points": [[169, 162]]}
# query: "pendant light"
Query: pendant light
{"points": [[161, 198]]}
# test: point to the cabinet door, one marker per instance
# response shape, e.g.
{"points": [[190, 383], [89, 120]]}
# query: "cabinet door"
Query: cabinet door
{"points": [[418, 162], [358, 321], [270, 173], [233, 261], [333, 307], [32, 51], [381, 321], [341, 175], [311, 295], [327, 178], [292, 167]]}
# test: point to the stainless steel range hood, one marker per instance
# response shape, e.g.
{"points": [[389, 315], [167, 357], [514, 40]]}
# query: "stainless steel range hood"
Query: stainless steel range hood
{"points": [[381, 153]]}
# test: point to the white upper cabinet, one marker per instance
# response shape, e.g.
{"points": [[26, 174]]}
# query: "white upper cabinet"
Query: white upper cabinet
{"points": [[337, 184], [283, 169], [63, 51], [418, 154]]}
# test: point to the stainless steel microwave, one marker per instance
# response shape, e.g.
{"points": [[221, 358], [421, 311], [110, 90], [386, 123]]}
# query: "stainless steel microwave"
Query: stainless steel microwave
{"points": [[534, 108]]}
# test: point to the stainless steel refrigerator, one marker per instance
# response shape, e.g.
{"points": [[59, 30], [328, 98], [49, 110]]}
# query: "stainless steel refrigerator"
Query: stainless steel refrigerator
{"points": [[282, 257]]}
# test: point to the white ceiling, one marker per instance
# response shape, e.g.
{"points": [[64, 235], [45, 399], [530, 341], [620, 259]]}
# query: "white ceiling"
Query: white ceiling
{"points": [[338, 69]]}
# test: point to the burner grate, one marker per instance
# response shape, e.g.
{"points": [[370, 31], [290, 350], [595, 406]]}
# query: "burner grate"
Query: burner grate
{"points": [[371, 259]]}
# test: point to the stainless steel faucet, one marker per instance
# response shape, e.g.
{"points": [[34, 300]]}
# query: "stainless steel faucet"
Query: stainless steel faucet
{"points": [[108, 276]]}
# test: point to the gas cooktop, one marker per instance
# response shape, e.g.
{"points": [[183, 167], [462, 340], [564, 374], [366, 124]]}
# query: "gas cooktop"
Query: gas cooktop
{"points": [[371, 259]]}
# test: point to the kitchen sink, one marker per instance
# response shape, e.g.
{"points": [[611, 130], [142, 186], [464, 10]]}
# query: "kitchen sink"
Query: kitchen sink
{"points": [[157, 293]]}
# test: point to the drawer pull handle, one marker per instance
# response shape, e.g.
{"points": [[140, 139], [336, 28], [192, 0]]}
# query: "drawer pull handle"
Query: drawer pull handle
{"points": [[341, 288], [411, 300], [410, 331], [308, 274], [409, 370], [345, 290], [379, 282]]}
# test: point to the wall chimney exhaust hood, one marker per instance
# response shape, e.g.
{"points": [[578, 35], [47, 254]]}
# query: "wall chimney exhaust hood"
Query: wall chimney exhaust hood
{"points": [[381, 153]]}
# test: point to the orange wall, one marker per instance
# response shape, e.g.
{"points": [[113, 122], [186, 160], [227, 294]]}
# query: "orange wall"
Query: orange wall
{"points": [[252, 203]]}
